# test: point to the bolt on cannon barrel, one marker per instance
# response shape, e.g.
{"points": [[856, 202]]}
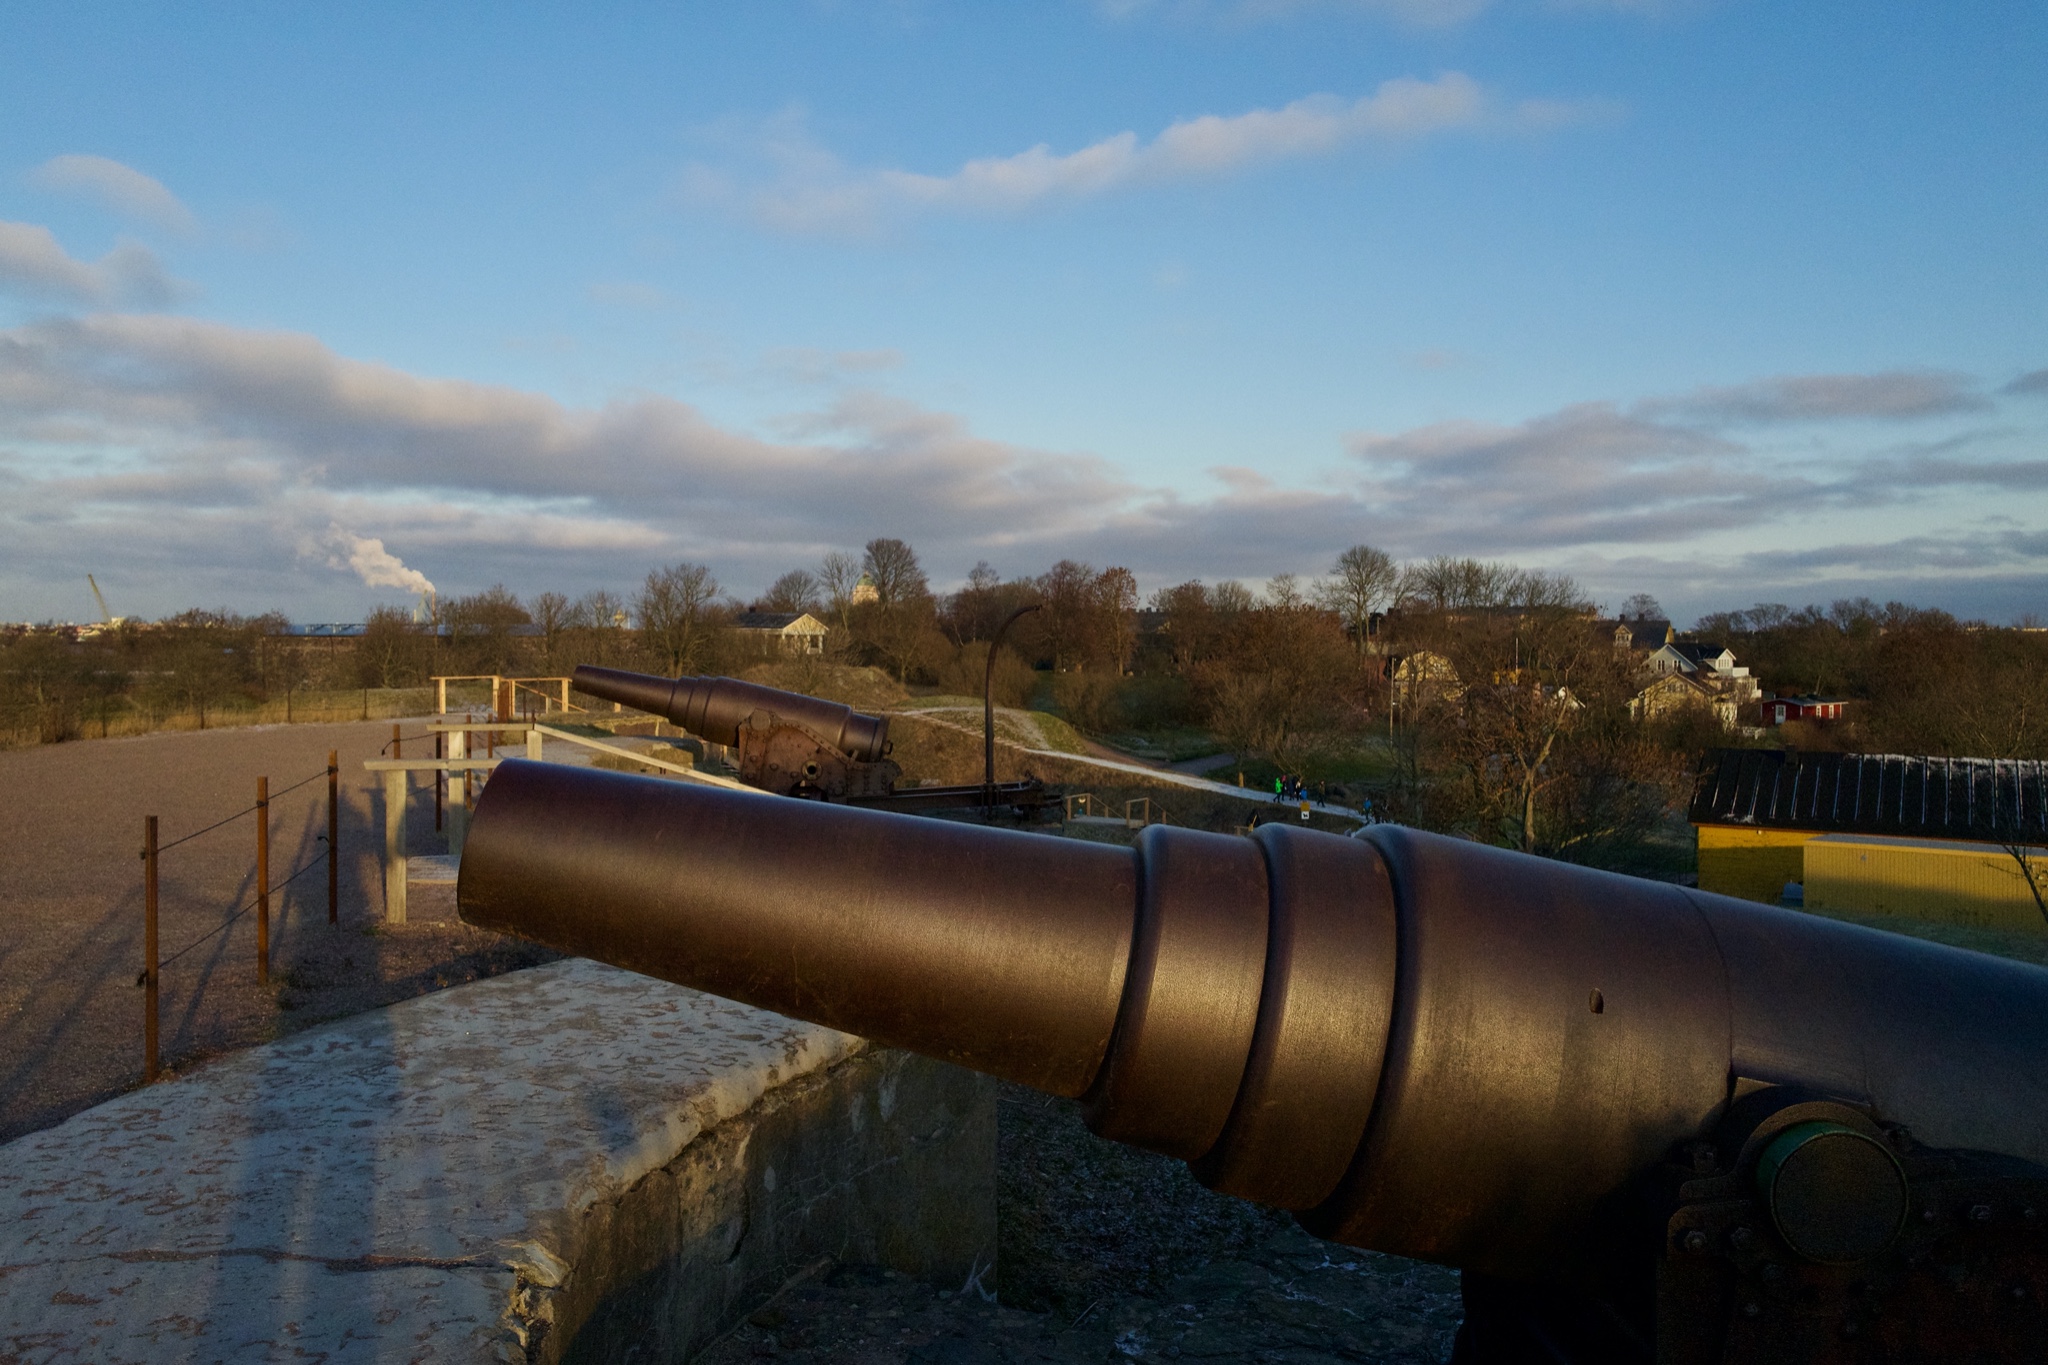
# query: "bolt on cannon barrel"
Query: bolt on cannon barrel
{"points": [[716, 708], [1420, 1045]]}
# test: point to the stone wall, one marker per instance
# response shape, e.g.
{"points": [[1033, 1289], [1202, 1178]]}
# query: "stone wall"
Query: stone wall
{"points": [[567, 1163]]}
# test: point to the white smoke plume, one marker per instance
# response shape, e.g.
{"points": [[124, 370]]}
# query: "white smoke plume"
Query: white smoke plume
{"points": [[375, 565]]}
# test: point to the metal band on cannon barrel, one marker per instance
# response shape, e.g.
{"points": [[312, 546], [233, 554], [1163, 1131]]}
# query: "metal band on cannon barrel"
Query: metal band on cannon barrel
{"points": [[1428, 1046]]}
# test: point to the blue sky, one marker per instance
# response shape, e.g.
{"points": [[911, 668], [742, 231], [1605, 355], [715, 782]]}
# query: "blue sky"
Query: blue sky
{"points": [[1722, 301]]}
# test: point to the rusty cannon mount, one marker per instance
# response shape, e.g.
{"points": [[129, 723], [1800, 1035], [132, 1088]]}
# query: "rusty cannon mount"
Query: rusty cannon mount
{"points": [[1649, 1124], [795, 745]]}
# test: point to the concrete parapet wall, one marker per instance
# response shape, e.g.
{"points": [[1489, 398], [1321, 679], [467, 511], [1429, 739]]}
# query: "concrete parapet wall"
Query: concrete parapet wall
{"points": [[568, 1163]]}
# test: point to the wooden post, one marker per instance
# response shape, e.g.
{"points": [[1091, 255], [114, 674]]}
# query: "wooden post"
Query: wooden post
{"points": [[397, 743], [263, 881], [440, 776], [394, 846], [458, 811], [440, 696], [533, 743], [149, 950]]}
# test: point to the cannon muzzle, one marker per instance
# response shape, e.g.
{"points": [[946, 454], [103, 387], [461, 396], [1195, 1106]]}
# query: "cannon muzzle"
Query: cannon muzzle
{"points": [[716, 708], [1421, 1045]]}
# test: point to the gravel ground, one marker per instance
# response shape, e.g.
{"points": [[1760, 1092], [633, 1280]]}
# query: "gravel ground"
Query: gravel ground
{"points": [[71, 906], [1109, 1254]]}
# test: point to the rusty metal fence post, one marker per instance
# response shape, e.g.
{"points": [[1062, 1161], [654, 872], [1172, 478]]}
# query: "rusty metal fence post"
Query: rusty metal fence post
{"points": [[263, 881], [149, 950], [333, 836]]}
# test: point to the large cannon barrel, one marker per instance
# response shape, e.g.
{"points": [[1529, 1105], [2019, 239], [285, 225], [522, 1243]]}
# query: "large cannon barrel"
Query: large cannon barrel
{"points": [[1421, 1045], [716, 708]]}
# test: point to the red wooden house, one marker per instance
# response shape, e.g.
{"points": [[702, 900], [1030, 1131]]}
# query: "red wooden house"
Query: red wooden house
{"points": [[1778, 710]]}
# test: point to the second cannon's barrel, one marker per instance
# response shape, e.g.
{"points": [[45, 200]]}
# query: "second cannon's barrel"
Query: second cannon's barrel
{"points": [[716, 708]]}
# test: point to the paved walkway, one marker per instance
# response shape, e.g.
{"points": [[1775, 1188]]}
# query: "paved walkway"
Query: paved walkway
{"points": [[71, 904], [1101, 756]]}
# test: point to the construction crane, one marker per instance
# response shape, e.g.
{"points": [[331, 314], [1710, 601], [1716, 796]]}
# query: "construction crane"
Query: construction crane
{"points": [[108, 621]]}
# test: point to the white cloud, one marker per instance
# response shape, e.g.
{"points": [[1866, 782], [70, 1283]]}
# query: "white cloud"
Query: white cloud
{"points": [[213, 462], [33, 263], [1891, 396], [120, 188], [123, 435], [371, 562], [812, 191]]}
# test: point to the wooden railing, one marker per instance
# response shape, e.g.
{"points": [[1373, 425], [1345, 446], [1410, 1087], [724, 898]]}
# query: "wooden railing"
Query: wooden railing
{"points": [[398, 862]]}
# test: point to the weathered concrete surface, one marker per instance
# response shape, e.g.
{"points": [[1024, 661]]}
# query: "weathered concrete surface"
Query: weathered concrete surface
{"points": [[566, 1163]]}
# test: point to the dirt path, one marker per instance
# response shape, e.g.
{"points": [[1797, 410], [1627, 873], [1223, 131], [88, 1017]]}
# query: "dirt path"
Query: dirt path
{"points": [[71, 906]]}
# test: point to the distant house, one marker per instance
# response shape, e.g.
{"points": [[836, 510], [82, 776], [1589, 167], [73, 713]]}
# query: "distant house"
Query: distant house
{"points": [[1633, 633], [793, 632], [1424, 677], [1694, 659], [1927, 838], [865, 590], [1687, 673], [1670, 694], [1778, 710]]}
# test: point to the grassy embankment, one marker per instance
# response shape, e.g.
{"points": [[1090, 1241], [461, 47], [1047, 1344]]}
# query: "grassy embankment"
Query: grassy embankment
{"points": [[303, 708]]}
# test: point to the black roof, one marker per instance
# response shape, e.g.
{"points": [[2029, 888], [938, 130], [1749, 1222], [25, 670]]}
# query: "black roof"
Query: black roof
{"points": [[1640, 628], [767, 620], [1927, 798]]}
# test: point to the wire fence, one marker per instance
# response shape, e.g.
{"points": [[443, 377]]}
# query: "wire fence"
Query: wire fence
{"points": [[229, 820], [152, 853], [315, 861]]}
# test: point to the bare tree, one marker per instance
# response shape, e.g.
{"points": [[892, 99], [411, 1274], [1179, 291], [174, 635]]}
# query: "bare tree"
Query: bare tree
{"points": [[393, 649], [1539, 740], [1360, 584], [838, 575], [2030, 864], [1281, 685], [552, 615], [1116, 618], [674, 611], [1231, 597], [796, 590], [891, 565], [1642, 606], [599, 610], [977, 610], [1068, 590], [480, 627], [1447, 583], [1192, 629]]}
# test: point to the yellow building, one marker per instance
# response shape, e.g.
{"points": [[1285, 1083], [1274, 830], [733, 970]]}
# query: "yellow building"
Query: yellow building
{"points": [[1949, 880], [1754, 864], [1880, 834]]}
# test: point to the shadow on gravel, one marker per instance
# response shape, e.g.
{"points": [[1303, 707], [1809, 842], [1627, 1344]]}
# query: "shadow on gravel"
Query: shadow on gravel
{"points": [[1110, 1254]]}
